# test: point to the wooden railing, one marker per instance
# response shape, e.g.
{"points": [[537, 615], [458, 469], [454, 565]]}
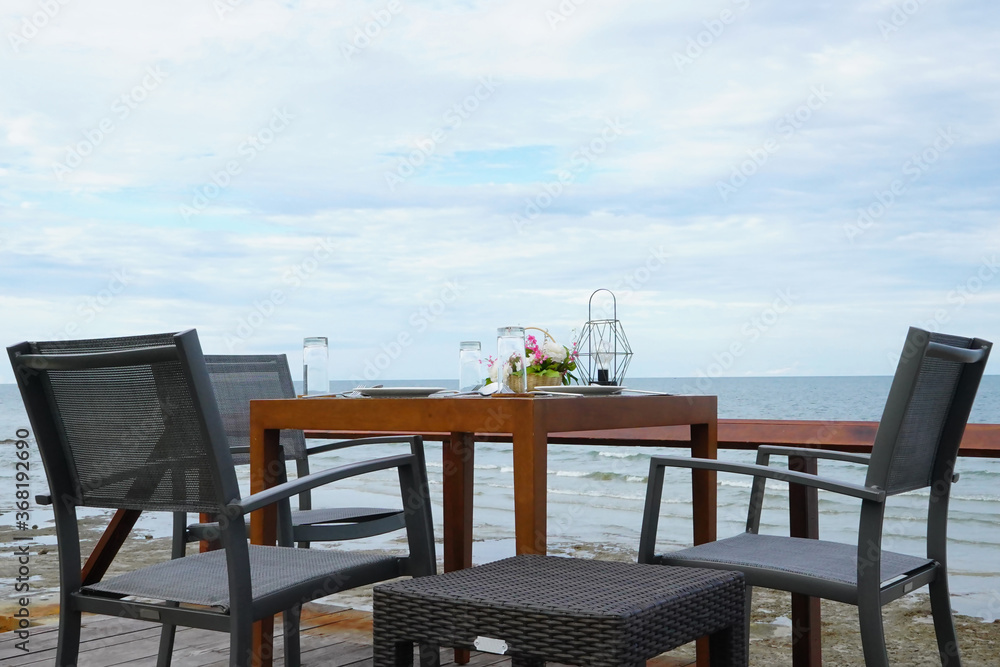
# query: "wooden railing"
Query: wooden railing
{"points": [[981, 440]]}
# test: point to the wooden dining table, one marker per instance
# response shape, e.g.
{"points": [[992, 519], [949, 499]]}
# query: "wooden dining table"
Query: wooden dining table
{"points": [[530, 421]]}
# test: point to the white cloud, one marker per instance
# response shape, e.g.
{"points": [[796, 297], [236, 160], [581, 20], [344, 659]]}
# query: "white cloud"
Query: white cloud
{"points": [[395, 252]]}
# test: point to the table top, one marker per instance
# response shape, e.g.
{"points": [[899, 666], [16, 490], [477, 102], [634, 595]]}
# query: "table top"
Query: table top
{"points": [[486, 414]]}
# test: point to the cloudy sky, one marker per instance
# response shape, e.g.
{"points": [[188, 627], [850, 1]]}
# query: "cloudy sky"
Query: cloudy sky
{"points": [[768, 187]]}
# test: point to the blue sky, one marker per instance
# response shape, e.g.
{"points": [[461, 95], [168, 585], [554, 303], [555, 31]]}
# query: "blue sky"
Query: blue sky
{"points": [[798, 182]]}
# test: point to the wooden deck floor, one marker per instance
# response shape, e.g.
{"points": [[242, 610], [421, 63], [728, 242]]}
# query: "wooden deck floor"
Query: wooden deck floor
{"points": [[331, 637]]}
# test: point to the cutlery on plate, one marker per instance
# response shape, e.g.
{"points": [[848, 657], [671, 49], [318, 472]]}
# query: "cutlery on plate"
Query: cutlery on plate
{"points": [[356, 392]]}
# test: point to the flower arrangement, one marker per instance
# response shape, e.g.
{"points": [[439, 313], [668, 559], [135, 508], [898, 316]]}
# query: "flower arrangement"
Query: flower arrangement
{"points": [[547, 359]]}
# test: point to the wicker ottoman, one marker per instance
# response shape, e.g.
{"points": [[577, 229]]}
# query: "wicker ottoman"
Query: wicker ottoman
{"points": [[583, 612]]}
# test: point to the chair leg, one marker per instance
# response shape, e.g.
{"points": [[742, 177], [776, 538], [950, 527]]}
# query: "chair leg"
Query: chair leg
{"points": [[178, 549], [69, 636], [290, 626], [944, 623], [166, 649], [872, 634], [241, 643]]}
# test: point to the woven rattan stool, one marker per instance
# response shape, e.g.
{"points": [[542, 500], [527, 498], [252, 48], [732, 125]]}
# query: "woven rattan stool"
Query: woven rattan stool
{"points": [[583, 612]]}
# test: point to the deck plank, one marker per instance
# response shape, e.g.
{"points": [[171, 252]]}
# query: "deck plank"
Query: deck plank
{"points": [[331, 636]]}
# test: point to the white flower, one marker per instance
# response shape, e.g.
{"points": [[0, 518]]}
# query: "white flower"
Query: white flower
{"points": [[555, 351], [493, 372]]}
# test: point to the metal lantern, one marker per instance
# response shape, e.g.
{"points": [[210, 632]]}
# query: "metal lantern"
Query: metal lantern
{"points": [[604, 350]]}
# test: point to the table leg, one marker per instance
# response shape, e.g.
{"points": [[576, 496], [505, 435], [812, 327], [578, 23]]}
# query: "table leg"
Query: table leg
{"points": [[704, 445], [803, 516], [265, 455], [530, 469], [458, 457]]}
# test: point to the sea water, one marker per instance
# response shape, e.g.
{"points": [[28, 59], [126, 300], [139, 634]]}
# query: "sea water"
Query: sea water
{"points": [[595, 494]]}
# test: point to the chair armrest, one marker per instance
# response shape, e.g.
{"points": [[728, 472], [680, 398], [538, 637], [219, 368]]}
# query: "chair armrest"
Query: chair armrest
{"points": [[805, 479], [764, 453], [804, 452], [343, 444], [293, 487]]}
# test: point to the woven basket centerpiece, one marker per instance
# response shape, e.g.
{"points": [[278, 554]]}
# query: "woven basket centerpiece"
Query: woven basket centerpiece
{"points": [[534, 381]]}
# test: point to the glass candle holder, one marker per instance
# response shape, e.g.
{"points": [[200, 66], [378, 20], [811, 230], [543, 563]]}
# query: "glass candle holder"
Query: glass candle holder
{"points": [[510, 360], [315, 366], [470, 374]]}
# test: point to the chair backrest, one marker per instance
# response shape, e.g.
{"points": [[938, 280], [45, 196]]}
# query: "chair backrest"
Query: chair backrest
{"points": [[925, 414], [127, 422], [238, 378]]}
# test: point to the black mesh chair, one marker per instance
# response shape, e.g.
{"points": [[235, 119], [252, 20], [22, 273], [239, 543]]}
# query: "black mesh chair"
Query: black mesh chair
{"points": [[915, 448], [238, 379], [133, 423]]}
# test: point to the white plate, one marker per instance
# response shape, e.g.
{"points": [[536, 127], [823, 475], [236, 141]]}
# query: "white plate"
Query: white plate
{"points": [[399, 392], [583, 389]]}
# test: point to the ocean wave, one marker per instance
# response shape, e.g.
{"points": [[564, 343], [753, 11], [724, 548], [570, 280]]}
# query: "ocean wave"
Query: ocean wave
{"points": [[600, 476], [978, 542], [623, 455], [977, 499], [584, 492], [595, 494]]}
